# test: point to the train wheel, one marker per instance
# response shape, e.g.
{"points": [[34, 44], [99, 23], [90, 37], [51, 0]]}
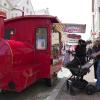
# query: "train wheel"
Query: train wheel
{"points": [[49, 82], [3, 91]]}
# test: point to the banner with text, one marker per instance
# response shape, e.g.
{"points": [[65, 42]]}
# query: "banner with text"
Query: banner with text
{"points": [[74, 28]]}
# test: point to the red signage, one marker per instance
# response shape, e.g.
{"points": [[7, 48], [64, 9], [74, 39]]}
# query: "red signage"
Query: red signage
{"points": [[74, 28], [93, 33], [74, 36]]}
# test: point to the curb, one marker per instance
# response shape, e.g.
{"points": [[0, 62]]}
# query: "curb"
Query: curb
{"points": [[55, 91]]}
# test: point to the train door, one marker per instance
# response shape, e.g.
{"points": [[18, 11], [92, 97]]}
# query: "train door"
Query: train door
{"points": [[42, 50]]}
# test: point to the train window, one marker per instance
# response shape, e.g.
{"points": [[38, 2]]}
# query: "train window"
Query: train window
{"points": [[41, 38], [9, 33]]}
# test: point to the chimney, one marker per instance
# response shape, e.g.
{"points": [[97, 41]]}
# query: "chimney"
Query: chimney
{"points": [[2, 16]]}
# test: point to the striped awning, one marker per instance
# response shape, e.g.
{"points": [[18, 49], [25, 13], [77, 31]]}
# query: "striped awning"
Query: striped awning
{"points": [[58, 27]]}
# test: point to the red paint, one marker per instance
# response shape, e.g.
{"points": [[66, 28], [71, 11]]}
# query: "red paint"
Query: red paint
{"points": [[20, 62]]}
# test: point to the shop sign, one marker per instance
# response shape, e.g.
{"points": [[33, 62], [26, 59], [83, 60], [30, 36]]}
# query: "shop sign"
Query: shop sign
{"points": [[74, 28]]}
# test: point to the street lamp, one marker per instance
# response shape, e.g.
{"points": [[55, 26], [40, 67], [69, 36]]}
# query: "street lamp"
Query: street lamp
{"points": [[18, 10]]}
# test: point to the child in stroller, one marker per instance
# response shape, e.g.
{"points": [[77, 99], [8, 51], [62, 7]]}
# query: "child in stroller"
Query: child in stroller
{"points": [[76, 80]]}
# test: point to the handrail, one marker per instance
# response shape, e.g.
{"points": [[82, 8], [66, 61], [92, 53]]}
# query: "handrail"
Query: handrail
{"points": [[18, 10]]}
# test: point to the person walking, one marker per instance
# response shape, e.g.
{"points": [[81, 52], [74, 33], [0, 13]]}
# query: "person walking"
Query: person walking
{"points": [[66, 57], [96, 55], [89, 52]]}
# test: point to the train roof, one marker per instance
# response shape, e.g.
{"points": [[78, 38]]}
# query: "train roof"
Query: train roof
{"points": [[53, 19]]}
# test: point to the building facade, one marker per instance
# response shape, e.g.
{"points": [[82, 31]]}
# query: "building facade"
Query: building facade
{"points": [[15, 8], [96, 17], [42, 12]]}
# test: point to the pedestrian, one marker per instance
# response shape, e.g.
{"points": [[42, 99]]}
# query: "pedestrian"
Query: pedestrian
{"points": [[80, 52], [95, 49], [96, 55], [89, 52], [66, 57]]}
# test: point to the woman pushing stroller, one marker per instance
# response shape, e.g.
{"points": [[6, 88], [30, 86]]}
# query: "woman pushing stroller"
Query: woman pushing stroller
{"points": [[81, 55], [78, 69], [80, 52]]}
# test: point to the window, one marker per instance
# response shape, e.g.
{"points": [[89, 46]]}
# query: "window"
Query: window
{"points": [[41, 38], [23, 8], [16, 14], [27, 2], [30, 12], [12, 15], [27, 10], [5, 4], [9, 33]]}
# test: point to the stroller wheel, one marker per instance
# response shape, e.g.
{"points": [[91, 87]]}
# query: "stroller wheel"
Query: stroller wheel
{"points": [[67, 84], [70, 87], [90, 89]]}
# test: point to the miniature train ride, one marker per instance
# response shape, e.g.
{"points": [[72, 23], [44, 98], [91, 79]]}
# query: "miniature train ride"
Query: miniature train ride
{"points": [[26, 51]]}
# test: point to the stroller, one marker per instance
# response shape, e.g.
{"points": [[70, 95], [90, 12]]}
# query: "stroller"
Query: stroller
{"points": [[76, 81]]}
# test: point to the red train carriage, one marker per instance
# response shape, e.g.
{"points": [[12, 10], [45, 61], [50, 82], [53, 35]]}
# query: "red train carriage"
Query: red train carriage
{"points": [[26, 51]]}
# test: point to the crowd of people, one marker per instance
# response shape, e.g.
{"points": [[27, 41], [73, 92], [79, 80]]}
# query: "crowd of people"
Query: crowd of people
{"points": [[83, 52]]}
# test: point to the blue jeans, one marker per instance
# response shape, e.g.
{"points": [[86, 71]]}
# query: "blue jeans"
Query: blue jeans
{"points": [[98, 74]]}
